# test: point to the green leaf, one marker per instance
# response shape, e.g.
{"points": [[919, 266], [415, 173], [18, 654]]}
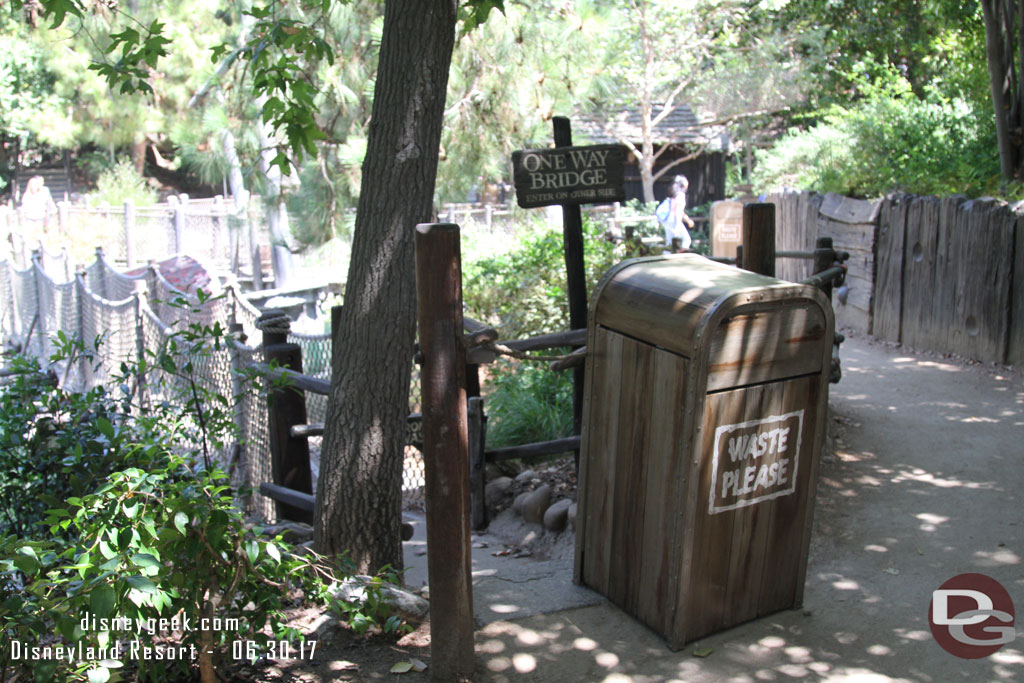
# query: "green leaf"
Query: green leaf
{"points": [[105, 427], [180, 521], [273, 552], [145, 560], [141, 583], [102, 600], [252, 549], [106, 551], [98, 675]]}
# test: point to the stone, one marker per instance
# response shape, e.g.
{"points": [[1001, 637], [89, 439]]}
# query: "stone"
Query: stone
{"points": [[572, 516], [535, 504], [495, 489], [290, 532], [517, 504], [525, 476], [557, 516], [406, 605]]}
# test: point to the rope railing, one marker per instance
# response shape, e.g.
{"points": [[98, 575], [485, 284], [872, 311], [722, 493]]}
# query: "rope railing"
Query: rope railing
{"points": [[135, 314]]}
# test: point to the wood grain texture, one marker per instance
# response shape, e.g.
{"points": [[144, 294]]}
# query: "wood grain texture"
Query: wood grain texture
{"points": [[888, 287], [1015, 342]]}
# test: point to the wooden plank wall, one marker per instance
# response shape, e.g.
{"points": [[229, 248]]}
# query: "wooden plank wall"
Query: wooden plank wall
{"points": [[1015, 344], [941, 274], [851, 223]]}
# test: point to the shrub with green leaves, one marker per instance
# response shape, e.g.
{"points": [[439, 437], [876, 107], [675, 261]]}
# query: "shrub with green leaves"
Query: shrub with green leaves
{"points": [[128, 522], [121, 182]]}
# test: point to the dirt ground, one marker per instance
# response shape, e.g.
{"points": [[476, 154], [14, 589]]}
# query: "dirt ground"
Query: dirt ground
{"points": [[922, 482]]}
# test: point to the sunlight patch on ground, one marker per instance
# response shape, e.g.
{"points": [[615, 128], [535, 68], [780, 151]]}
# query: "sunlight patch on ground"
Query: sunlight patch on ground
{"points": [[997, 558], [876, 548], [930, 522], [919, 475], [945, 367]]}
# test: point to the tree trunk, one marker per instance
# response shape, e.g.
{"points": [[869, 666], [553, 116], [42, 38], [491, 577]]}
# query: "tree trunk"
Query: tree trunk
{"points": [[274, 210], [358, 503], [1000, 31]]}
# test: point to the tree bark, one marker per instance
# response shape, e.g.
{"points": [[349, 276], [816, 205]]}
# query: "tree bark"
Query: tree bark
{"points": [[1000, 46], [358, 503]]}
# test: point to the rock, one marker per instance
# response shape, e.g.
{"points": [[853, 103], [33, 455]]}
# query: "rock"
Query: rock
{"points": [[291, 532], [572, 516], [324, 625], [525, 476], [496, 489], [406, 605], [517, 504], [557, 515], [535, 504]]}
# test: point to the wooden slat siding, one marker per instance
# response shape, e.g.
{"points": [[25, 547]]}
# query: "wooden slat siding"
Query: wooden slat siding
{"points": [[858, 240], [888, 290], [750, 525], [1015, 342], [982, 247], [662, 529], [709, 576], [602, 433], [627, 515], [783, 338], [947, 287], [919, 269], [785, 570]]}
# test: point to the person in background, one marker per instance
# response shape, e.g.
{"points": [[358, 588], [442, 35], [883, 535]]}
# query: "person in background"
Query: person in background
{"points": [[671, 214], [37, 207]]}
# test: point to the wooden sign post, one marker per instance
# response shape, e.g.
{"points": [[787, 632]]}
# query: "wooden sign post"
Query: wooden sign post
{"points": [[570, 176]]}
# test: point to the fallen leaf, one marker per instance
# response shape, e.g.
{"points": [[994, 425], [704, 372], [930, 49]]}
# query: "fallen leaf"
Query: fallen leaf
{"points": [[401, 668], [892, 570], [418, 665], [345, 665], [703, 651]]}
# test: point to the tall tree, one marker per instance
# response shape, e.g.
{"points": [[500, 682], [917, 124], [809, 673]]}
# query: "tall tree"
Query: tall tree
{"points": [[358, 502], [1004, 42]]}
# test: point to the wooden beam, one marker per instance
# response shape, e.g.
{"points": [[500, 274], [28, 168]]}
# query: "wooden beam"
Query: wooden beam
{"points": [[759, 238], [534, 450], [445, 449]]}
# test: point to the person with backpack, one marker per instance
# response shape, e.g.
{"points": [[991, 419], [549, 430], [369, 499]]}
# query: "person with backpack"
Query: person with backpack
{"points": [[671, 213]]}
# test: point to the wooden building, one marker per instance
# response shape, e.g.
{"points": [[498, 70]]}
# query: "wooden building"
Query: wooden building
{"points": [[681, 132]]}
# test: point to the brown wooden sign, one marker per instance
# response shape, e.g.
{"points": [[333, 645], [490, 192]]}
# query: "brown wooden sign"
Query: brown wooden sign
{"points": [[569, 175]]}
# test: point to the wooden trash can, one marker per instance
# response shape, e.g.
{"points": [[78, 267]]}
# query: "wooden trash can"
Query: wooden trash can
{"points": [[704, 417]]}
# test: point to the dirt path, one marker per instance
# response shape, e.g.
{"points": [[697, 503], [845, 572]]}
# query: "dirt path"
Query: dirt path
{"points": [[925, 483]]}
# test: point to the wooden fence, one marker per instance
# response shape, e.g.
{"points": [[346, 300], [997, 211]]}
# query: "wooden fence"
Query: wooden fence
{"points": [[937, 274]]}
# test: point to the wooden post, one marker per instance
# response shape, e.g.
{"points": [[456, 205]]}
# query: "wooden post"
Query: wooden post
{"points": [[62, 218], [129, 232], [576, 277], [759, 238], [139, 295], [477, 423], [445, 449], [286, 407], [824, 256], [179, 228]]}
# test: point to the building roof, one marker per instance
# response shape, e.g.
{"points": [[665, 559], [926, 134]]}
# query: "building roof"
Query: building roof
{"points": [[679, 127]]}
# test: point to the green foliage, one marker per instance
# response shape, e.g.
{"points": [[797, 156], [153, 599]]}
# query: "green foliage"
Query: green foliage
{"points": [[122, 182], [892, 140], [527, 403], [372, 610], [523, 292], [124, 534]]}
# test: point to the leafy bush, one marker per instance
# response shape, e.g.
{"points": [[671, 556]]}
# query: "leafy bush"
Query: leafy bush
{"points": [[149, 536], [892, 140], [523, 292], [120, 183], [528, 403]]}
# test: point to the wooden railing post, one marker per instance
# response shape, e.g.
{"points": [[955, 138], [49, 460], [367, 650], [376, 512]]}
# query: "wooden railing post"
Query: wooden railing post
{"points": [[286, 407], [445, 449], [824, 257], [759, 238], [477, 426], [129, 232]]}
